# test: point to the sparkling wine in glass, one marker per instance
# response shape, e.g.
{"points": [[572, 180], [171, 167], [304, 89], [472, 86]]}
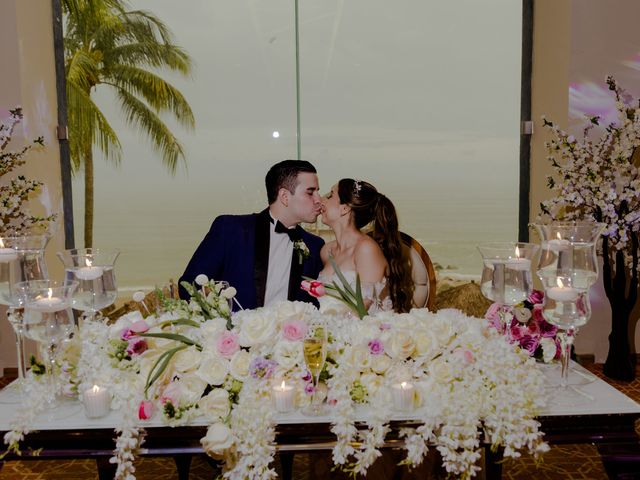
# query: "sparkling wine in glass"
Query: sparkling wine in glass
{"points": [[315, 355]]}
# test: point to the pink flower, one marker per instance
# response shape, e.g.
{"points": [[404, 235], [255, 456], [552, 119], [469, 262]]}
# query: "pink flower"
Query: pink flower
{"points": [[307, 376], [529, 343], [535, 297], [385, 326], [465, 354], [227, 344], [127, 334], [517, 331], [146, 409], [294, 330], [172, 393], [309, 389], [314, 287], [376, 347], [140, 326], [137, 346]]}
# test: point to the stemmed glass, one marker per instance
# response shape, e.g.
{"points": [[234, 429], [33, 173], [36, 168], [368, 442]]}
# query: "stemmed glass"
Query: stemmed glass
{"points": [[568, 268], [506, 274], [315, 354], [21, 259], [93, 269], [47, 319]]}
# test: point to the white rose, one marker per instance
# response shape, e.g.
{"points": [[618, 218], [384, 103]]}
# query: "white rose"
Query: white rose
{"points": [[371, 382], [218, 439], [426, 343], [440, 370], [401, 345], [548, 349], [442, 330], [366, 332], [209, 332], [380, 363], [239, 365], [192, 389], [187, 360], [215, 405], [288, 354], [213, 370], [256, 328], [360, 358]]}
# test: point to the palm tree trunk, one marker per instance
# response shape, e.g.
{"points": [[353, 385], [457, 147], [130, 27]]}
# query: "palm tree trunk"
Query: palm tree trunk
{"points": [[88, 198]]}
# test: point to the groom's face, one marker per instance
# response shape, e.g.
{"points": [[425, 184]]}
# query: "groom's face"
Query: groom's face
{"points": [[305, 202]]}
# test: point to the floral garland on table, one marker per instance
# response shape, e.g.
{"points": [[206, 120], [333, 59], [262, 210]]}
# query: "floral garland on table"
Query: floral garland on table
{"points": [[195, 359], [527, 327]]}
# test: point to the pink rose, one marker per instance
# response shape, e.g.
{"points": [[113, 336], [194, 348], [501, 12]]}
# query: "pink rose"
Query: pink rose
{"points": [[140, 326], [294, 330], [146, 409], [376, 347], [313, 287], [227, 344], [535, 297]]}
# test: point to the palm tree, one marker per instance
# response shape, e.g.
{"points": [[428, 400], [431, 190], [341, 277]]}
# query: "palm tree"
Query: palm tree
{"points": [[110, 47]]}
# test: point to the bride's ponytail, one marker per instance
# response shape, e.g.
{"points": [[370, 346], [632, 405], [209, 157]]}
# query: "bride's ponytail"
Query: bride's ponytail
{"points": [[368, 206], [387, 234]]}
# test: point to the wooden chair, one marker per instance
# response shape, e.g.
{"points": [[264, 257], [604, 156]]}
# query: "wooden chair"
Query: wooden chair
{"points": [[423, 273]]}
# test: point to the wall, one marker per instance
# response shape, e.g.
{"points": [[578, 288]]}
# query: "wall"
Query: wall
{"points": [[28, 80]]}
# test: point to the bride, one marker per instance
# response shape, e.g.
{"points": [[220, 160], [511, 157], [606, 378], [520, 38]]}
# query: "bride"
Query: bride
{"points": [[378, 257]]}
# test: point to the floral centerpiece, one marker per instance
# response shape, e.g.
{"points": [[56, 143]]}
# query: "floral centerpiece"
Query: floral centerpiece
{"points": [[524, 324], [597, 179], [195, 360]]}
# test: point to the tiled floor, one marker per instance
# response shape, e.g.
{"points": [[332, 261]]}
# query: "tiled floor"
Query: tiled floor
{"points": [[562, 462]]}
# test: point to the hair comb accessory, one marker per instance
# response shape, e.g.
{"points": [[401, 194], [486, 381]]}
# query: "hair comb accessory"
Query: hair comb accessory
{"points": [[357, 186]]}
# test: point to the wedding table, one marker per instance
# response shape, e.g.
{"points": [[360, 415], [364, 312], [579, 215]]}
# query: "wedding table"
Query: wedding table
{"points": [[608, 419]]}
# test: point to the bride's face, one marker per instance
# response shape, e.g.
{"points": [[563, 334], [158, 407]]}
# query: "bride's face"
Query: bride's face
{"points": [[332, 209]]}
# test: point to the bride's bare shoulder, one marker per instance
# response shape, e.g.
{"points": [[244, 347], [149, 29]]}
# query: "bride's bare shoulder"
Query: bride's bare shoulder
{"points": [[326, 250], [367, 246]]}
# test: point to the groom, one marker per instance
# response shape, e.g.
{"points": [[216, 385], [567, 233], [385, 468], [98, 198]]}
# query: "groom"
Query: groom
{"points": [[264, 255]]}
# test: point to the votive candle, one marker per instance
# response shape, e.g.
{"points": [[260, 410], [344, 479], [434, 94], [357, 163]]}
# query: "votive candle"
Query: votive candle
{"points": [[403, 396], [283, 397], [97, 402]]}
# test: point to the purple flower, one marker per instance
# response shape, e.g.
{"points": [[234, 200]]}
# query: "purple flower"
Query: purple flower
{"points": [[137, 346], [307, 376], [261, 367], [309, 389], [127, 334], [544, 327], [376, 347], [536, 297], [529, 343]]}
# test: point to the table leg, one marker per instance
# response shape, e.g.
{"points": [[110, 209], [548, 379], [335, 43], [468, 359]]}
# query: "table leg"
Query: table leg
{"points": [[493, 463], [286, 462], [106, 470], [183, 465]]}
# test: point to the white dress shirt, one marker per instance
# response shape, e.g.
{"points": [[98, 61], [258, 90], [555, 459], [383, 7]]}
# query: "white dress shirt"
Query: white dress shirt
{"points": [[279, 267]]}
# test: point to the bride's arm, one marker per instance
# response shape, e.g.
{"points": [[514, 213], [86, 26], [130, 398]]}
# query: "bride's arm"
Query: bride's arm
{"points": [[369, 261]]}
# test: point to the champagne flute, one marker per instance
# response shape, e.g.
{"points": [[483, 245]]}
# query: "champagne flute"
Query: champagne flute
{"points": [[315, 354]]}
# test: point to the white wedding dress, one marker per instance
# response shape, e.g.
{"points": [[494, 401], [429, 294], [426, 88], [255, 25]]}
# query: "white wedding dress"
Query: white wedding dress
{"points": [[375, 295]]}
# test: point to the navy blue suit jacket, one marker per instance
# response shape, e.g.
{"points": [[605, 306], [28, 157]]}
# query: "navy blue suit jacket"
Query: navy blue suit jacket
{"points": [[236, 249]]}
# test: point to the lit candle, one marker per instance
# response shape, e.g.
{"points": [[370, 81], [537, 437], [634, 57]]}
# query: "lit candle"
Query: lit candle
{"points": [[283, 397], [7, 254], [48, 304], [97, 402], [89, 272], [562, 293], [403, 396], [558, 244]]}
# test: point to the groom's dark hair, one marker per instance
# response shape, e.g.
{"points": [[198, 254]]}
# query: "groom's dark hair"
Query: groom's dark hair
{"points": [[285, 175]]}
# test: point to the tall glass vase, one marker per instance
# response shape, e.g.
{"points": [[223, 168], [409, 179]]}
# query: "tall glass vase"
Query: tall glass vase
{"points": [[568, 268], [93, 269]]}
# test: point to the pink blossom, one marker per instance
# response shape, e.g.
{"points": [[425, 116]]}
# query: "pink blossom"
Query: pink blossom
{"points": [[172, 393], [140, 326], [227, 344], [309, 389], [146, 409], [376, 347], [294, 330], [314, 288], [307, 376], [385, 326], [465, 354], [529, 343], [332, 401], [127, 334], [535, 297], [517, 331], [137, 346]]}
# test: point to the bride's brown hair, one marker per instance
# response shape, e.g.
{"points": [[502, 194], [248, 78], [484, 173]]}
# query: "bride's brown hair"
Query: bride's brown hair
{"points": [[370, 206]]}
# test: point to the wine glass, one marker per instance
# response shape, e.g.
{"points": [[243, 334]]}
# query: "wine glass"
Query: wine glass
{"points": [[47, 319], [315, 354], [93, 270], [506, 274], [568, 268]]}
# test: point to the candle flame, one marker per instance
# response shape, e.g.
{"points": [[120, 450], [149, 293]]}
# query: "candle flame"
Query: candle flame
{"points": [[282, 385], [1, 243], [559, 282], [558, 235], [403, 385], [88, 262], [50, 293], [95, 389], [517, 252]]}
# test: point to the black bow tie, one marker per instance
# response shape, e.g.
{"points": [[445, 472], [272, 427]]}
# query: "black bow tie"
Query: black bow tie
{"points": [[294, 233]]}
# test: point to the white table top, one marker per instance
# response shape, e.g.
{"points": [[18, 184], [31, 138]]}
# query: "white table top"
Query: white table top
{"points": [[599, 399]]}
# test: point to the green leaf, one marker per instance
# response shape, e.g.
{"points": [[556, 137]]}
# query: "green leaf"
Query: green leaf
{"points": [[161, 365], [172, 336], [180, 321]]}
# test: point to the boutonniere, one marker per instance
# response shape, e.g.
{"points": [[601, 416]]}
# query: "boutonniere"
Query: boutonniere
{"points": [[303, 251]]}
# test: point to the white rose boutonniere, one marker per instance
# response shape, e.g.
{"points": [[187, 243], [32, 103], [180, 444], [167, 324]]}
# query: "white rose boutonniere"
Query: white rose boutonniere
{"points": [[302, 250]]}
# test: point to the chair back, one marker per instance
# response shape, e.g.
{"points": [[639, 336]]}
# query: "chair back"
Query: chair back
{"points": [[423, 273]]}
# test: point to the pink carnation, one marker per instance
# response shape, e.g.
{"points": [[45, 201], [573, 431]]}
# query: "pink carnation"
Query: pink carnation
{"points": [[227, 344], [146, 409], [294, 330], [376, 347]]}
